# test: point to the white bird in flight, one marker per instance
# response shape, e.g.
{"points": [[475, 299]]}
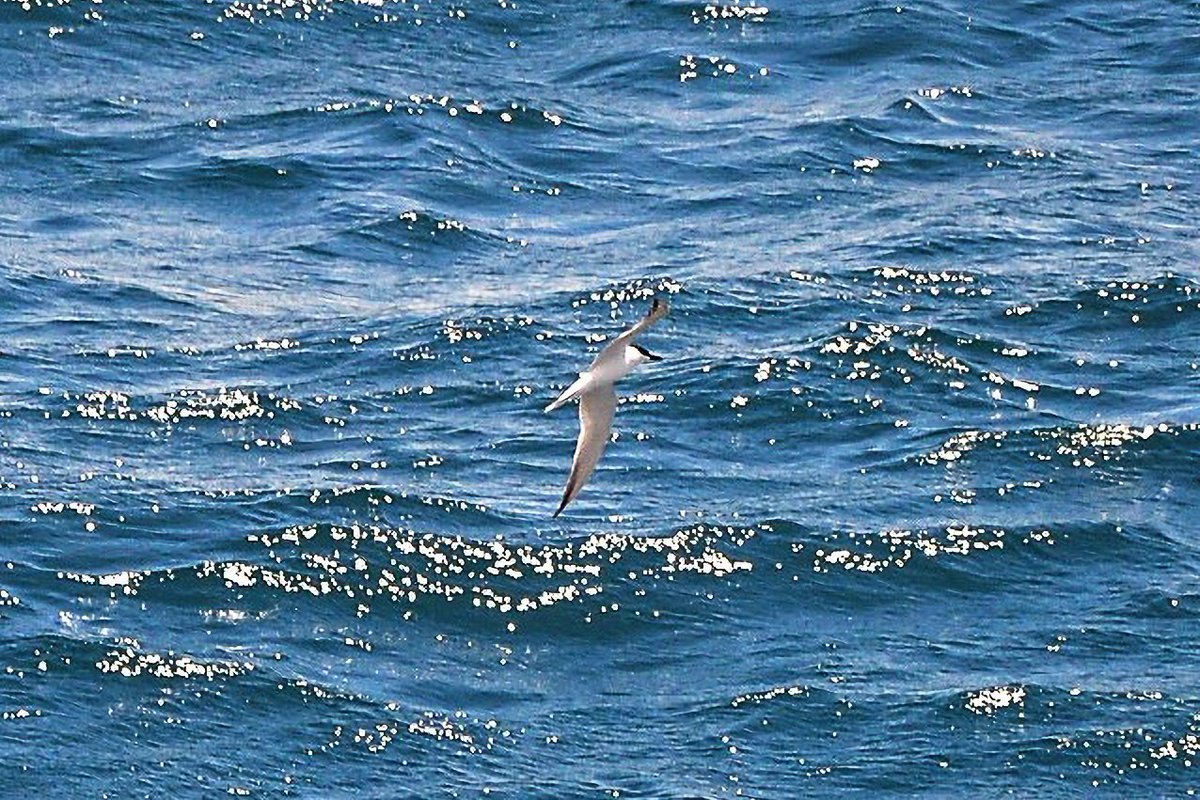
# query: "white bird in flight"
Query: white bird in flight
{"points": [[598, 401]]}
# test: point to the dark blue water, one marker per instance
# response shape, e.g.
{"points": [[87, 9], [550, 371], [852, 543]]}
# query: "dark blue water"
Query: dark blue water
{"points": [[908, 510]]}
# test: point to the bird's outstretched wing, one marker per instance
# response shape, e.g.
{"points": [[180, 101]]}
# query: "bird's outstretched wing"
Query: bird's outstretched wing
{"points": [[596, 408], [658, 310]]}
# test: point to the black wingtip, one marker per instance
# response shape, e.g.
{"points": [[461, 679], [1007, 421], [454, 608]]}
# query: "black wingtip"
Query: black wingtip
{"points": [[566, 499]]}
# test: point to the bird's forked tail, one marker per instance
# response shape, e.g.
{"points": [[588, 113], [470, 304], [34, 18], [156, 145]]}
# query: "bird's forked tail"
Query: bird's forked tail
{"points": [[571, 392]]}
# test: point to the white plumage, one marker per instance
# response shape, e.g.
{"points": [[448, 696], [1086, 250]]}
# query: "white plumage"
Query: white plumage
{"points": [[598, 400]]}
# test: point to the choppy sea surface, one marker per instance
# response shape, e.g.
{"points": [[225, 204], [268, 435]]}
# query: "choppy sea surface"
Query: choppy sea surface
{"points": [[909, 508]]}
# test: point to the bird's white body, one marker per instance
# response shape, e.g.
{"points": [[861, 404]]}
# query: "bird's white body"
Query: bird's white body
{"points": [[598, 400], [607, 369]]}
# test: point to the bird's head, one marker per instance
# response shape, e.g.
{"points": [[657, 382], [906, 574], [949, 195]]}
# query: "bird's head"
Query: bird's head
{"points": [[636, 354]]}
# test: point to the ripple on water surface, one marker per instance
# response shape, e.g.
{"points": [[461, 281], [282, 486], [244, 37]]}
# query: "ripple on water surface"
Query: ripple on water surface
{"points": [[907, 504]]}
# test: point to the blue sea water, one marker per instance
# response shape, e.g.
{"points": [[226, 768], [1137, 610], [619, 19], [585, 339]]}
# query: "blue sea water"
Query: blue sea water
{"points": [[909, 508]]}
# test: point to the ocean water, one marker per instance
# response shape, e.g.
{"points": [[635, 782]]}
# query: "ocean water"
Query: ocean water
{"points": [[909, 508]]}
